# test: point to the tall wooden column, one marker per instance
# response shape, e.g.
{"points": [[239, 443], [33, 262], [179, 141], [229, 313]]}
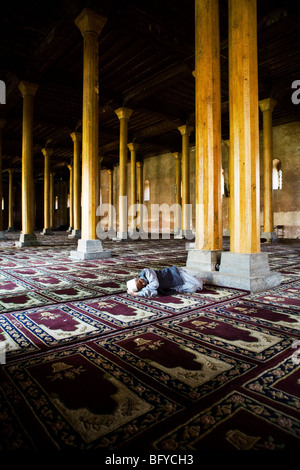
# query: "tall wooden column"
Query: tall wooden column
{"points": [[267, 106], [186, 206], [208, 157], [76, 232], [133, 187], [10, 200], [178, 212], [140, 196], [244, 266], [2, 234], [52, 201], [111, 210], [123, 115], [244, 130], [27, 237], [70, 167], [89, 247], [47, 226]]}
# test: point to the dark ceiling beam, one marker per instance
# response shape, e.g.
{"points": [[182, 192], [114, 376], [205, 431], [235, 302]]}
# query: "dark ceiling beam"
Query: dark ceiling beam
{"points": [[153, 84]]}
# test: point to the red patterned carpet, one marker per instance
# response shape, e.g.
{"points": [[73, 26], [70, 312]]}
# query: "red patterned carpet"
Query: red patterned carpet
{"points": [[89, 367]]}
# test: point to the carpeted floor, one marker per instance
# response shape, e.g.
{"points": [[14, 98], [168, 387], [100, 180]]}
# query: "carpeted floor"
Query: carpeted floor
{"points": [[89, 367]]}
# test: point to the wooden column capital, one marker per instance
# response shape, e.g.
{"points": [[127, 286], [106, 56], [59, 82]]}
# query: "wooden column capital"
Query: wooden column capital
{"points": [[267, 104], [28, 88], [133, 147], [90, 22], [123, 113], [185, 130], [176, 155], [76, 136], [47, 152]]}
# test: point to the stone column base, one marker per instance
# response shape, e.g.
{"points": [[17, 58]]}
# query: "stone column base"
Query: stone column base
{"points": [[122, 237], [27, 239], [203, 260], [188, 234], [89, 249], [178, 235], [2, 235], [250, 272], [75, 234], [270, 236], [47, 231], [10, 229]]}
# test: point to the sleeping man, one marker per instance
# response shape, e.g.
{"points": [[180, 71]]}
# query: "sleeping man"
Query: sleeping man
{"points": [[167, 281]]}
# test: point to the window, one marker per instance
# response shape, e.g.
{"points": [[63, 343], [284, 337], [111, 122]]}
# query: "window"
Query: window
{"points": [[3, 203], [56, 202], [147, 191], [277, 174]]}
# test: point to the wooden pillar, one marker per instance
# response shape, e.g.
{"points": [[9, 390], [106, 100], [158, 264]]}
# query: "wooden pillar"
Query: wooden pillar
{"points": [[70, 199], [244, 267], [186, 206], [244, 127], [110, 201], [27, 236], [123, 115], [2, 235], [90, 25], [47, 154], [76, 232], [140, 195], [267, 106], [178, 212], [52, 201], [133, 185], [10, 200], [208, 156]]}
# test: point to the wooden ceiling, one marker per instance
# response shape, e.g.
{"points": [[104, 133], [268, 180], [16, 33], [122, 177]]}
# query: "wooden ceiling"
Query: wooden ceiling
{"points": [[146, 60]]}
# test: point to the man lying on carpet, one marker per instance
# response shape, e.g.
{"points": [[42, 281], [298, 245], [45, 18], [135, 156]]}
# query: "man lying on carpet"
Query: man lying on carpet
{"points": [[167, 281]]}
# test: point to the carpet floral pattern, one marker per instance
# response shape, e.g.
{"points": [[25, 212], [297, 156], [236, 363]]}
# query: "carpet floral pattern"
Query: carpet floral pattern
{"points": [[86, 366]]}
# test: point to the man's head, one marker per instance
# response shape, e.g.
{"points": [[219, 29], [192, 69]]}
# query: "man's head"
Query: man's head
{"points": [[136, 284]]}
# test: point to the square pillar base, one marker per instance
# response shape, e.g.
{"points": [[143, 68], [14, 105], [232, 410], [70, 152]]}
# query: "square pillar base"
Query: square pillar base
{"points": [[27, 239], [203, 260], [122, 237], [270, 236], [89, 249], [250, 272], [2, 235], [47, 231], [75, 234]]}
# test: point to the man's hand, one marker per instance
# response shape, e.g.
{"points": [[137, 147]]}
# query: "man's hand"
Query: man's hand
{"points": [[132, 293]]}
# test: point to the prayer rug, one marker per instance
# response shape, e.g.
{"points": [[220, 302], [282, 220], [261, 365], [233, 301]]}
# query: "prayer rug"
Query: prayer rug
{"points": [[176, 303], [271, 316], [120, 311], [44, 281], [236, 422], [41, 391], [180, 364], [21, 301], [247, 340], [70, 293], [280, 384], [287, 295], [12, 285], [113, 286], [49, 326]]}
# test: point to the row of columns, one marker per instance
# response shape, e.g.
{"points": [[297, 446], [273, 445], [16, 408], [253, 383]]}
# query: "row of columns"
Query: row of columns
{"points": [[249, 265], [243, 266]]}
